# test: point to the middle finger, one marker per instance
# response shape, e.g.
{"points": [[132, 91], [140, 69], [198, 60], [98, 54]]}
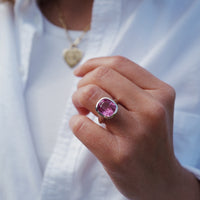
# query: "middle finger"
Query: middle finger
{"points": [[119, 87]]}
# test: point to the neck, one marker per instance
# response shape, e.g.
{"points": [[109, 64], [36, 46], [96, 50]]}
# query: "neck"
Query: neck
{"points": [[76, 13]]}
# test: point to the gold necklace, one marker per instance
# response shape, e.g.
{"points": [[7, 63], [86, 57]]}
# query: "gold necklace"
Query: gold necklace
{"points": [[73, 54]]}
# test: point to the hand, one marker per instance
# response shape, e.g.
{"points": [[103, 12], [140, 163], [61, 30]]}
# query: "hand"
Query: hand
{"points": [[136, 147]]}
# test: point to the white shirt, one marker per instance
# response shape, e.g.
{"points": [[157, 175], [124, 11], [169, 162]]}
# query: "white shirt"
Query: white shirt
{"points": [[161, 36], [49, 83]]}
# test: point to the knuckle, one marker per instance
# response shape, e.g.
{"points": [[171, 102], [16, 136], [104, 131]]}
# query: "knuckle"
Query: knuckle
{"points": [[123, 156], [90, 61], [155, 122], [79, 126], [74, 98], [89, 93], [171, 93], [157, 112], [118, 60], [101, 73], [120, 162], [121, 159]]}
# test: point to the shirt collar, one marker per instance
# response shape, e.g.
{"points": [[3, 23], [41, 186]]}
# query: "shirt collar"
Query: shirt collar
{"points": [[29, 22], [27, 12]]}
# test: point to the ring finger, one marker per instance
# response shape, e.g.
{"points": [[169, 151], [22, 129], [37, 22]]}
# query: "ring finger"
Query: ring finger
{"points": [[86, 98]]}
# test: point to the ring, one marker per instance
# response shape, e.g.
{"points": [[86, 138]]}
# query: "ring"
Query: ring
{"points": [[106, 107]]}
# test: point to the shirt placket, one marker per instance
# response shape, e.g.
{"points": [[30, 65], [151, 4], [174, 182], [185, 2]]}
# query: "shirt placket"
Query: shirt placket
{"points": [[68, 148]]}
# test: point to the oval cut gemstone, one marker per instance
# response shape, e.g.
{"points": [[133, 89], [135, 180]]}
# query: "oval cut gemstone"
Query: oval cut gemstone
{"points": [[106, 107]]}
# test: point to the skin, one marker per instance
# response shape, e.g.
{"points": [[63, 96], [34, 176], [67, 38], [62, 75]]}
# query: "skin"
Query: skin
{"points": [[136, 147], [76, 13]]}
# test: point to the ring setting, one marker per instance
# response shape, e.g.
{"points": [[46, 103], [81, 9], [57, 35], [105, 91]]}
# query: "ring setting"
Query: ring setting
{"points": [[106, 107]]}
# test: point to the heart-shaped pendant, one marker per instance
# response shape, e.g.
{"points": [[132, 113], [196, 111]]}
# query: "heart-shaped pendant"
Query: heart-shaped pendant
{"points": [[72, 56]]}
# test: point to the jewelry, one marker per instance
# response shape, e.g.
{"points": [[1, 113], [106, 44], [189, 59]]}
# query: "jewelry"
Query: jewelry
{"points": [[106, 108], [73, 55]]}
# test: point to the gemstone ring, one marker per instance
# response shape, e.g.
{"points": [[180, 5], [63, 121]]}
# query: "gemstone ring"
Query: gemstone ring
{"points": [[106, 107]]}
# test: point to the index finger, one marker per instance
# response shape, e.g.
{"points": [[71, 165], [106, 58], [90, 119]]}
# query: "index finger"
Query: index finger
{"points": [[138, 75]]}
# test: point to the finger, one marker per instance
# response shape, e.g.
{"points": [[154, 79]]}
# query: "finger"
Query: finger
{"points": [[127, 93], [86, 97], [95, 138], [127, 68]]}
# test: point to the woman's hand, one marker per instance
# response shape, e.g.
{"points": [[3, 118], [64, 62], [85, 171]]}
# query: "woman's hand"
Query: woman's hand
{"points": [[136, 147]]}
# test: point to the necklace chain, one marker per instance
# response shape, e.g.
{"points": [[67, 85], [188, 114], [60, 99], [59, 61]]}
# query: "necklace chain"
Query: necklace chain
{"points": [[73, 55], [77, 41]]}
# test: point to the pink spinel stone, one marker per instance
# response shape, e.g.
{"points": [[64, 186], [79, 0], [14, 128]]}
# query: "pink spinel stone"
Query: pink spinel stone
{"points": [[106, 107]]}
